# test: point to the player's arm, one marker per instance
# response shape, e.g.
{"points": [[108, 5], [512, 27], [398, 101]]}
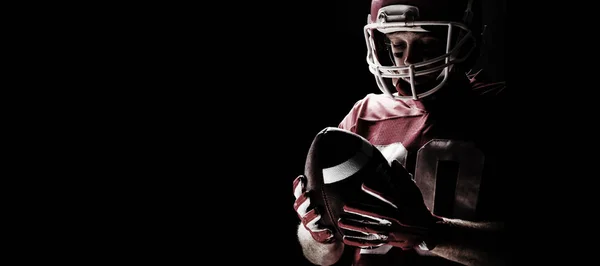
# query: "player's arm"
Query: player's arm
{"points": [[469, 243], [318, 243]]}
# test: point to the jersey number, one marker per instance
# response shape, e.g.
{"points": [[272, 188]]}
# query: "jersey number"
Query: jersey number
{"points": [[448, 172]]}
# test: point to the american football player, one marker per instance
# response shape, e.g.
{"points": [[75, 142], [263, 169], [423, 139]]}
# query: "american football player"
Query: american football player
{"points": [[441, 130]]}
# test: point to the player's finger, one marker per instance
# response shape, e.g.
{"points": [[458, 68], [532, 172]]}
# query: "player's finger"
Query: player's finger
{"points": [[299, 185], [363, 242], [311, 220], [322, 235], [382, 196], [363, 226], [301, 205], [381, 215]]}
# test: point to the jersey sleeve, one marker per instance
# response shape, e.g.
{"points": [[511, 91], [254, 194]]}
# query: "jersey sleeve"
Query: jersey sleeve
{"points": [[350, 120]]}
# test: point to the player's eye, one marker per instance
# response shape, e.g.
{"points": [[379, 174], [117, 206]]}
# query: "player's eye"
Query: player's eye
{"points": [[399, 45], [398, 49]]}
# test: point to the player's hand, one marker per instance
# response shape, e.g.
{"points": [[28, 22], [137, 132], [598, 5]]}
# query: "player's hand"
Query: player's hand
{"points": [[309, 216], [401, 220]]}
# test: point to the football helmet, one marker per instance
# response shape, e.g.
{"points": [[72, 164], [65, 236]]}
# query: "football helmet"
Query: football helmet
{"points": [[447, 20]]}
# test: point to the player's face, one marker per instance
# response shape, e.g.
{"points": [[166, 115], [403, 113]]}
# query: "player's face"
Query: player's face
{"points": [[415, 47]]}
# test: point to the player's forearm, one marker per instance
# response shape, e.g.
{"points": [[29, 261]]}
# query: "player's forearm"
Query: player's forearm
{"points": [[318, 253], [471, 243]]}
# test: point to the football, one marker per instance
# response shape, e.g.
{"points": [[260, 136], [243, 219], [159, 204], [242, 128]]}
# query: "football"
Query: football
{"points": [[337, 163]]}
